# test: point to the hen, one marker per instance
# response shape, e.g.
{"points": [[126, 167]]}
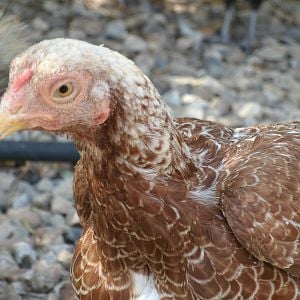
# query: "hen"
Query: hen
{"points": [[249, 41], [171, 209], [12, 41]]}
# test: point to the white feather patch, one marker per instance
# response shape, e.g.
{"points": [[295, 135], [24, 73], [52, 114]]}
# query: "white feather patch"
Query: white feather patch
{"points": [[144, 287]]}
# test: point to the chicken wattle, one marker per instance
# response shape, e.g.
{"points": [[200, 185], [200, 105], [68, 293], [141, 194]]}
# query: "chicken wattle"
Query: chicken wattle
{"points": [[171, 208]]}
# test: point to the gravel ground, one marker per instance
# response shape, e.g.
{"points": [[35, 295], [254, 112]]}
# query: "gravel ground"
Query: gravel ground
{"points": [[38, 222]]}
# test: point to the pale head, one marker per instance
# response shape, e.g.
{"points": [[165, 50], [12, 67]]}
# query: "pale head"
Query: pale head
{"points": [[61, 84]]}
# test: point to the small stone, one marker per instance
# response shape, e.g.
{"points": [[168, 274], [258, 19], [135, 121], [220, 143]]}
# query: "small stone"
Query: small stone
{"points": [[192, 111], [47, 236], [275, 52], [55, 33], [8, 292], [64, 291], [272, 93], [40, 24], [156, 23], [134, 44], [65, 257], [76, 34], [115, 30], [185, 43], [93, 26], [72, 218], [24, 254], [64, 188], [236, 56], [45, 185], [188, 99], [10, 230], [42, 200], [250, 110], [72, 234], [219, 106], [6, 181], [57, 221], [172, 98], [21, 200], [25, 215], [61, 205], [8, 266], [207, 87], [45, 276], [214, 67], [145, 62]]}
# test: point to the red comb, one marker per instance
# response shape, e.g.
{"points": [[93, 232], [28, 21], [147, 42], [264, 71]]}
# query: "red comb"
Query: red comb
{"points": [[22, 79]]}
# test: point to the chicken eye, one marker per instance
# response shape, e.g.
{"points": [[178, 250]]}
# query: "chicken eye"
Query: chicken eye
{"points": [[64, 90]]}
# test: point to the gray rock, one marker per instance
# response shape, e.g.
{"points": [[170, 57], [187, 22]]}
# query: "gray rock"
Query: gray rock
{"points": [[219, 107], [273, 94], [64, 291], [56, 33], [40, 24], [60, 205], [47, 236], [45, 276], [21, 200], [58, 221], [207, 87], [6, 181], [76, 34], [272, 52], [172, 98], [64, 254], [250, 110], [26, 215], [10, 230], [115, 30], [214, 67], [146, 62], [192, 111], [8, 292], [155, 23], [24, 254], [45, 185], [134, 44], [8, 267], [42, 200], [188, 99], [72, 234], [64, 188], [72, 218]]}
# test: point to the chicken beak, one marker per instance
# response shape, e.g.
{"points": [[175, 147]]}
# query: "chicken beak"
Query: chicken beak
{"points": [[10, 124]]}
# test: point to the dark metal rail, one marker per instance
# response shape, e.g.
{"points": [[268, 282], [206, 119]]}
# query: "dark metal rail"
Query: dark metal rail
{"points": [[38, 151]]}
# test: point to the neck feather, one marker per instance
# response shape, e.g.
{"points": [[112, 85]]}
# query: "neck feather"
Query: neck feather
{"points": [[139, 137]]}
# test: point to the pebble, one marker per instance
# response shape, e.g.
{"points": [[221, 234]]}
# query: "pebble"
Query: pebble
{"points": [[45, 276], [172, 98], [8, 266], [134, 44], [60, 205], [6, 181], [249, 110], [24, 254], [45, 185], [42, 200], [115, 30]]}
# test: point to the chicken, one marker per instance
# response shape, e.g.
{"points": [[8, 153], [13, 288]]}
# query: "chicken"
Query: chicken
{"points": [[12, 41], [170, 208], [249, 41]]}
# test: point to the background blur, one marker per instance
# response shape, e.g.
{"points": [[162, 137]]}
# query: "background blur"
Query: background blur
{"points": [[173, 43]]}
